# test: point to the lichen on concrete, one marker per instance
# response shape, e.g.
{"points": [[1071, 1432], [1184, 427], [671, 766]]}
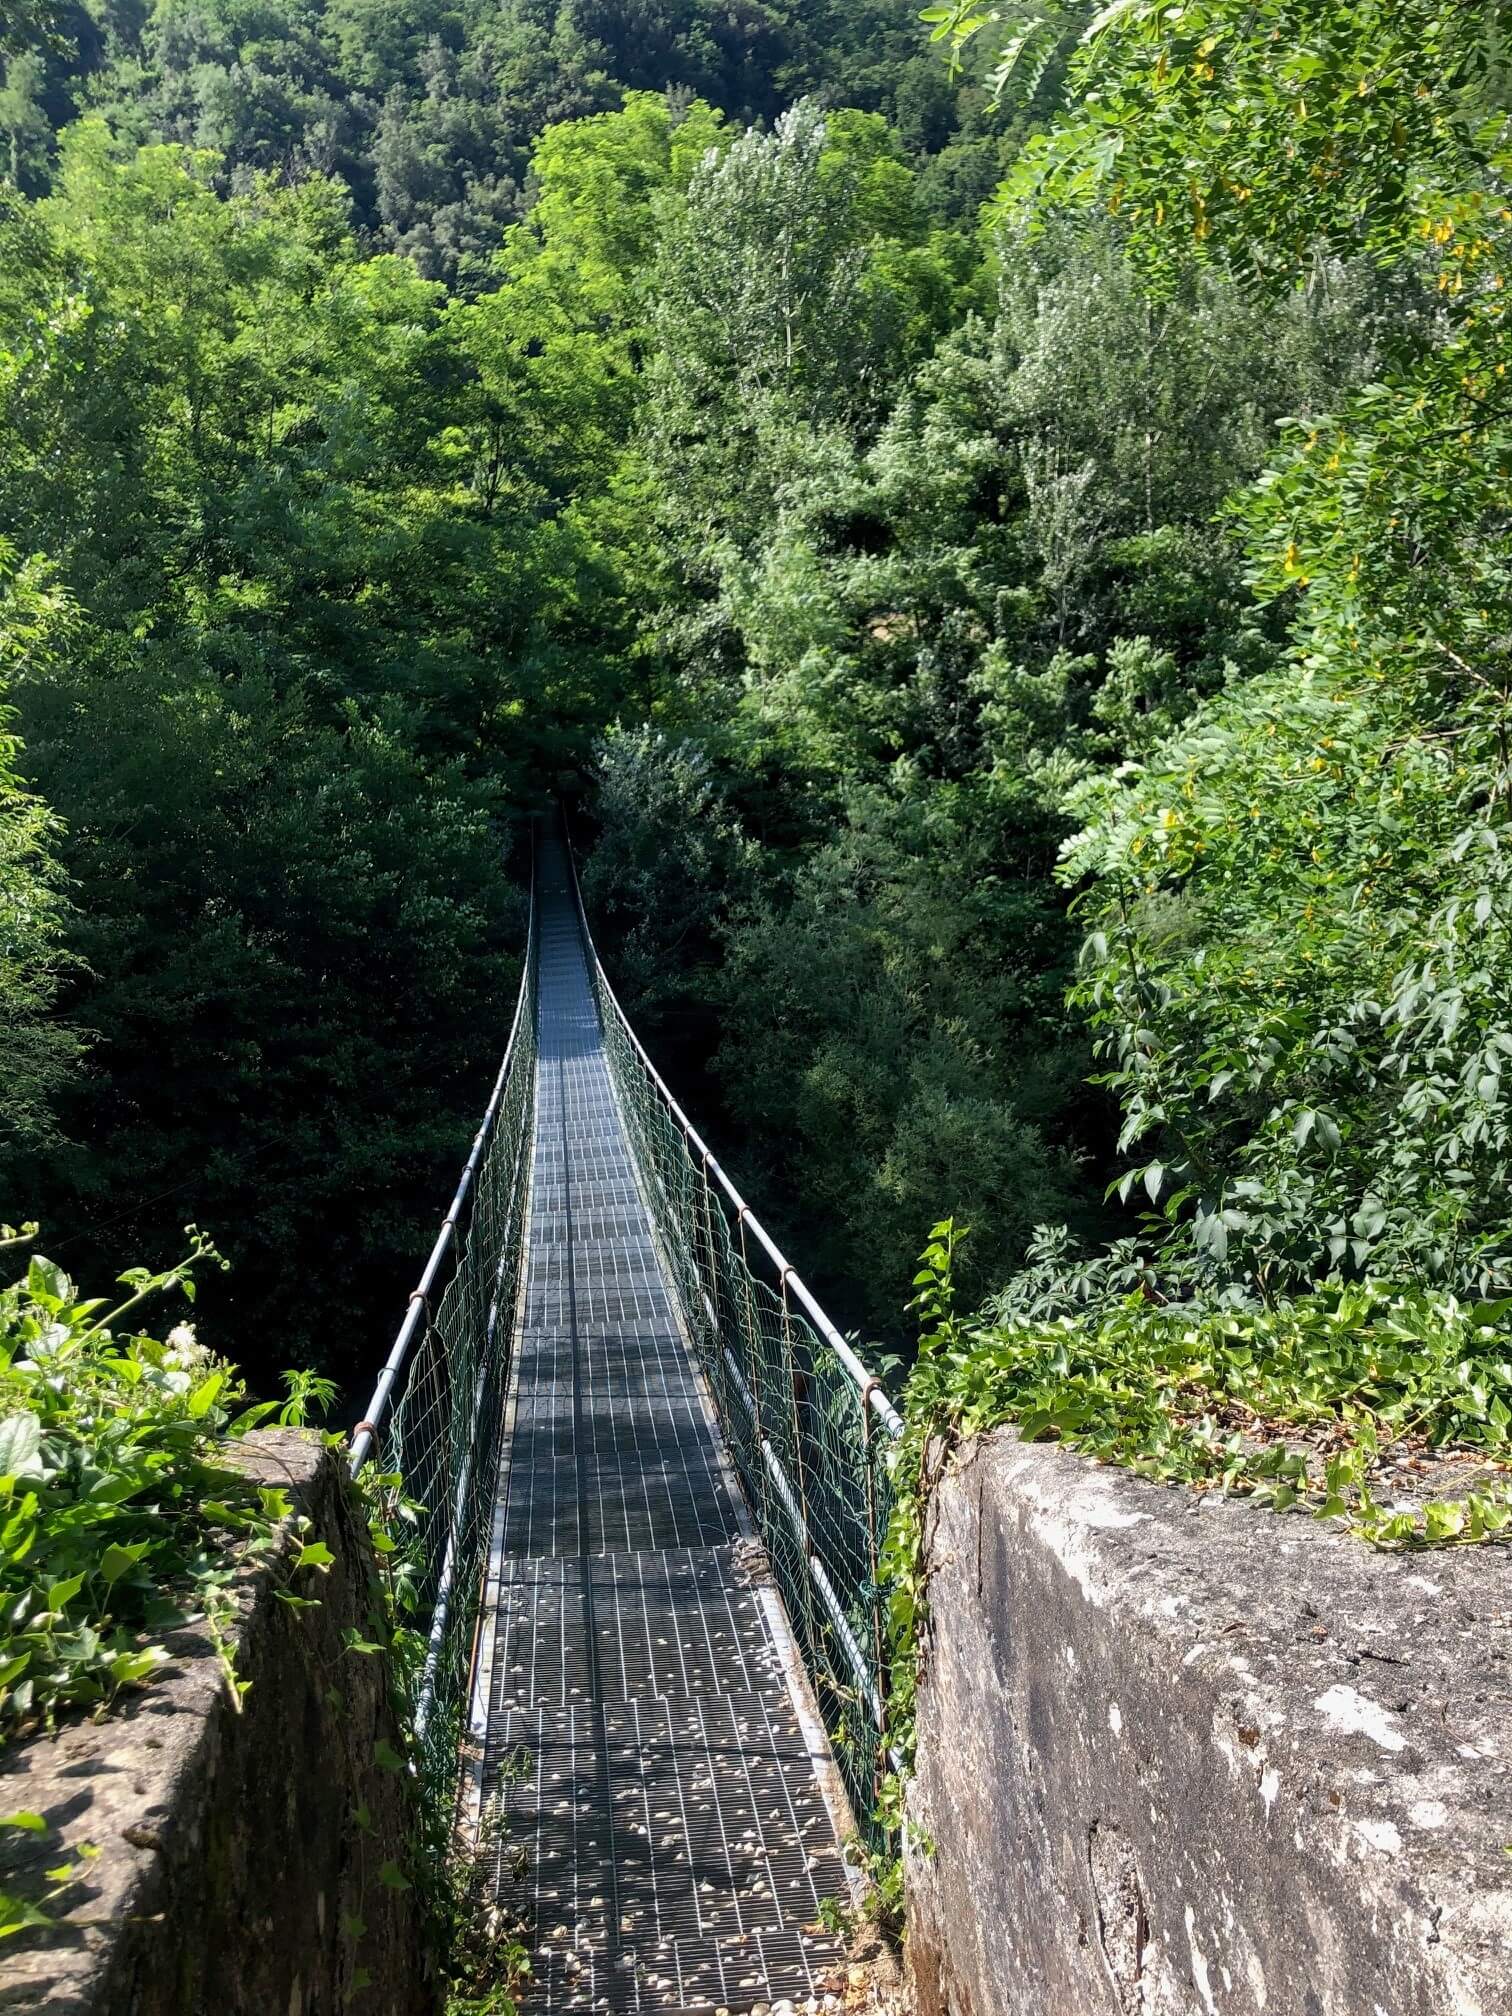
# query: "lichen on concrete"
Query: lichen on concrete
{"points": [[238, 1871], [1187, 1757]]}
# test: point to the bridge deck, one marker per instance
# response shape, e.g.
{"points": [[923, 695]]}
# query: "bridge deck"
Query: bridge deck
{"points": [[665, 1835]]}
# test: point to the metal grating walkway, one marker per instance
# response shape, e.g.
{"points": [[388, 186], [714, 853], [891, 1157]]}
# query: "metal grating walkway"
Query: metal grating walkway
{"points": [[665, 1836]]}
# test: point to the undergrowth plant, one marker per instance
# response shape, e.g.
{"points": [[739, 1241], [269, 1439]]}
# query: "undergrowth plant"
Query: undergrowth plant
{"points": [[1307, 1405], [120, 1520], [488, 1963]]}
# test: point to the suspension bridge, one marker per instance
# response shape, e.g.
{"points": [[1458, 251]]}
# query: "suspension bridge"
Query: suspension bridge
{"points": [[652, 1486]]}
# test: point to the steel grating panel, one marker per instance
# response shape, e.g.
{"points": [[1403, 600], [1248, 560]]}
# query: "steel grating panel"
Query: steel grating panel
{"points": [[665, 1837]]}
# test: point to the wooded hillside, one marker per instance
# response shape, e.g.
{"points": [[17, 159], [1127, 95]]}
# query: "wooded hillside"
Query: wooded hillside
{"points": [[1031, 660]]}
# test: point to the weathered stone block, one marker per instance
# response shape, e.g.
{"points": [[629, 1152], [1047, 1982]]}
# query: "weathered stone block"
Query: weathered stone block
{"points": [[1183, 1757], [233, 1864]]}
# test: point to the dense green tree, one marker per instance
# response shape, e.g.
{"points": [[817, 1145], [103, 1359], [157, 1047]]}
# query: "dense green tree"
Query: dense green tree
{"points": [[793, 288], [893, 1035], [39, 1053], [1297, 970], [670, 863], [25, 129], [428, 114], [296, 936], [907, 634], [32, 24], [285, 726], [408, 412]]}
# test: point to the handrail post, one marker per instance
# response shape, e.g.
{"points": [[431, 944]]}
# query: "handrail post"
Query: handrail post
{"points": [[754, 1380], [806, 1537], [712, 1293], [879, 1645]]}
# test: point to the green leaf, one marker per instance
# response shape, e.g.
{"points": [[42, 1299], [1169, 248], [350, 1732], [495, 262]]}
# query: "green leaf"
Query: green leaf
{"points": [[131, 1669], [1212, 1235], [1109, 17], [117, 1560], [47, 1282], [33, 1823], [254, 1417], [17, 1915], [315, 1555], [204, 1396], [61, 1594], [20, 1443]]}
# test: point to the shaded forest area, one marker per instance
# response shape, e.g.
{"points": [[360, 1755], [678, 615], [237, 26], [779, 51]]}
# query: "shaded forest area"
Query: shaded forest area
{"points": [[1035, 675]]}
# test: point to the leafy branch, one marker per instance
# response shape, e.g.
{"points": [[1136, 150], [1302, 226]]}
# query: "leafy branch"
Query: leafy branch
{"points": [[120, 1519]]}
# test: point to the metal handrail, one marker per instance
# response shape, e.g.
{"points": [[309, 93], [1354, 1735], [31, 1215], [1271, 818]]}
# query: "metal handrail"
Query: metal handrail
{"points": [[365, 1434], [787, 1274]]}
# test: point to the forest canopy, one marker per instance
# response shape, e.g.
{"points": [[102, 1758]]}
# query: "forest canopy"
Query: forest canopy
{"points": [[1011, 568]]}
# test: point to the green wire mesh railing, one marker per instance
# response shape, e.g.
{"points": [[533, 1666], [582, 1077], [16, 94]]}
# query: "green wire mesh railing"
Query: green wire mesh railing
{"points": [[434, 1424], [806, 1424]]}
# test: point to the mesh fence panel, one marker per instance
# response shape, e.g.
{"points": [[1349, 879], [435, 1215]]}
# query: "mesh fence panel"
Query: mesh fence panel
{"points": [[805, 1437], [438, 1436]]}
